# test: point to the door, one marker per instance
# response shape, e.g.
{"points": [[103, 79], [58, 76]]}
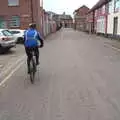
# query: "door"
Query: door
{"points": [[115, 27]]}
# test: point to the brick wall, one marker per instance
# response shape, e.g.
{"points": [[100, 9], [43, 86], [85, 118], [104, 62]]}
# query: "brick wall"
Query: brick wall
{"points": [[82, 11], [80, 18], [23, 11]]}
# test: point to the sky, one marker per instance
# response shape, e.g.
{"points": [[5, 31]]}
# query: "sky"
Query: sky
{"points": [[60, 6]]}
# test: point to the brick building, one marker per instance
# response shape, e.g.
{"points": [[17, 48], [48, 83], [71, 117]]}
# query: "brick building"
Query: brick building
{"points": [[80, 18], [100, 16], [64, 19], [19, 13], [90, 22]]}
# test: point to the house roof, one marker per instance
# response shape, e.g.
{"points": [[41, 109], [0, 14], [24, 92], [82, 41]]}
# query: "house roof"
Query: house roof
{"points": [[98, 4], [84, 6]]}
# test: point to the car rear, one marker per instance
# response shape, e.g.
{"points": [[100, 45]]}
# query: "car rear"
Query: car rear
{"points": [[7, 40]]}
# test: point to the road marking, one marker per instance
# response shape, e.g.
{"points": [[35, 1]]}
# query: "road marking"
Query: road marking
{"points": [[10, 75], [10, 67], [117, 49]]}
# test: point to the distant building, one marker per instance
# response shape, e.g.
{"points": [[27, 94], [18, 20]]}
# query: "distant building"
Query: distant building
{"points": [[64, 20], [80, 18], [49, 24]]}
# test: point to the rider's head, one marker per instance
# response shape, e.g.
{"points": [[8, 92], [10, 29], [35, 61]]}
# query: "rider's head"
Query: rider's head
{"points": [[32, 25]]}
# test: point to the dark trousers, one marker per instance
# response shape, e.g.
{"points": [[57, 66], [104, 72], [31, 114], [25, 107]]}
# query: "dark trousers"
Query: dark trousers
{"points": [[29, 55]]}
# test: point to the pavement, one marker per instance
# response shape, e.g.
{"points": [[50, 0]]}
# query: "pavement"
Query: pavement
{"points": [[78, 79]]}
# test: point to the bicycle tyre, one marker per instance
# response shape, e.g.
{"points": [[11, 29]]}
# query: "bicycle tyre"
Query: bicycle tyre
{"points": [[32, 70]]}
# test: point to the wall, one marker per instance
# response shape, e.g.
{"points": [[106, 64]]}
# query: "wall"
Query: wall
{"points": [[23, 11], [101, 19], [111, 23], [49, 25], [101, 25], [114, 11], [23, 8], [89, 22], [82, 11], [80, 18]]}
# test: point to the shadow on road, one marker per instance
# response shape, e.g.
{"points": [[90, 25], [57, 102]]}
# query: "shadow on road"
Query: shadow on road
{"points": [[10, 52]]}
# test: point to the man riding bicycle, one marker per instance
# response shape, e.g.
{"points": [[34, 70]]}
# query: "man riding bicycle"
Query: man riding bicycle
{"points": [[31, 42]]}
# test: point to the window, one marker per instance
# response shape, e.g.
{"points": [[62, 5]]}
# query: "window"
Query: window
{"points": [[15, 21], [117, 5], [15, 32], [6, 33], [101, 25], [1, 34], [2, 23], [13, 2]]}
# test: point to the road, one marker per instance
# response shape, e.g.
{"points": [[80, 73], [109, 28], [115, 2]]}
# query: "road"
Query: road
{"points": [[10, 60], [78, 79]]}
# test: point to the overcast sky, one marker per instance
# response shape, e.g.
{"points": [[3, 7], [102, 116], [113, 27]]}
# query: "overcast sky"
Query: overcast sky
{"points": [[59, 6]]}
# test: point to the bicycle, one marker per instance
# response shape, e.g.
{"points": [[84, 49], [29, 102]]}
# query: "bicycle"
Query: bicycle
{"points": [[33, 66]]}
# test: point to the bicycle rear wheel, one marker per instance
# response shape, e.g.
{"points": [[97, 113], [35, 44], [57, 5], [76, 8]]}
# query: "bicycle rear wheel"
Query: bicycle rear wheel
{"points": [[32, 71]]}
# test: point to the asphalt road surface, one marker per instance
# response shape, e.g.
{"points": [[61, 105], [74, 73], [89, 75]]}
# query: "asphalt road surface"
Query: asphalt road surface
{"points": [[78, 79]]}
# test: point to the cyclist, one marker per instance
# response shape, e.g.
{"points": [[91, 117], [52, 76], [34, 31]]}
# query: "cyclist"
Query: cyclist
{"points": [[31, 42]]}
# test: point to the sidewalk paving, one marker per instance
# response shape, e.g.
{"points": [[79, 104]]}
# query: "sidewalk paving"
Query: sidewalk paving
{"points": [[109, 41]]}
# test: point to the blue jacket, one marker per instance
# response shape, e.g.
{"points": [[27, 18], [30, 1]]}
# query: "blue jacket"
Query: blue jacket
{"points": [[31, 37]]}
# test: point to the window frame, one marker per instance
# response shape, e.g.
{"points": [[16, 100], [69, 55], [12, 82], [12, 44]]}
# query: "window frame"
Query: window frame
{"points": [[116, 5], [13, 5], [14, 21], [6, 33]]}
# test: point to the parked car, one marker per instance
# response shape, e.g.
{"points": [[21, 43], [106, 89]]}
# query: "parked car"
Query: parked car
{"points": [[18, 34], [7, 40]]}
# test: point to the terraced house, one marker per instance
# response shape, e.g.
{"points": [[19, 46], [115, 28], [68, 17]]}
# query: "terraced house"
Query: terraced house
{"points": [[113, 29], [104, 18], [99, 15], [80, 18], [19, 13]]}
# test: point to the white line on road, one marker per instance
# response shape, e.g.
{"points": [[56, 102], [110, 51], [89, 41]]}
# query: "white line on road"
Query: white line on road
{"points": [[11, 66], [10, 75], [117, 49]]}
